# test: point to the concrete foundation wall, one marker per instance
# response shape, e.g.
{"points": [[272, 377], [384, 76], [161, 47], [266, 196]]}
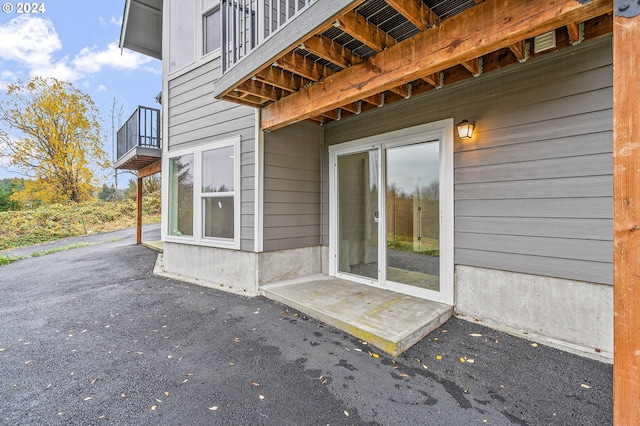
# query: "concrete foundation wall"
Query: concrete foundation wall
{"points": [[228, 270], [288, 264], [572, 315], [238, 271]]}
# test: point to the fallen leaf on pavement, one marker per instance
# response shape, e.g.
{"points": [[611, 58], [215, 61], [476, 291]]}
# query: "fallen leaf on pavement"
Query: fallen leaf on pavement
{"points": [[255, 384], [534, 345], [214, 408], [439, 357], [154, 407], [346, 413], [585, 386], [261, 396]]}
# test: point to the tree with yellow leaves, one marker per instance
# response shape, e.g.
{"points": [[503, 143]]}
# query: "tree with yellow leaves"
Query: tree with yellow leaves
{"points": [[50, 131]]}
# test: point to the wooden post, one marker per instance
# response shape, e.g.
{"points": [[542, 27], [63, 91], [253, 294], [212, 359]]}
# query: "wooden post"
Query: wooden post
{"points": [[626, 218], [139, 213]]}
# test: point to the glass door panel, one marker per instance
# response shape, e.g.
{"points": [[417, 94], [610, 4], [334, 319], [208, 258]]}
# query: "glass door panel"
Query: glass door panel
{"points": [[413, 215], [358, 214]]}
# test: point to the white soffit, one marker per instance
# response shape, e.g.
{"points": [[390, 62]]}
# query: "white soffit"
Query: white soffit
{"points": [[142, 27]]}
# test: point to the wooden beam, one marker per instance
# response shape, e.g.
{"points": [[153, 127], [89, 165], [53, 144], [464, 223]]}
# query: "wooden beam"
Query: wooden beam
{"points": [[139, 212], [416, 12], [478, 31], [362, 30], [626, 221], [151, 169]]}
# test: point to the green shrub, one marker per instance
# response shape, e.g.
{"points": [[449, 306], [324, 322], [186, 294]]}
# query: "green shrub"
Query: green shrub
{"points": [[48, 223]]}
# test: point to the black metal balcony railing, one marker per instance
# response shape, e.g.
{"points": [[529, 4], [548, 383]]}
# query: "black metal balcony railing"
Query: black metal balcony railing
{"points": [[247, 23], [142, 129]]}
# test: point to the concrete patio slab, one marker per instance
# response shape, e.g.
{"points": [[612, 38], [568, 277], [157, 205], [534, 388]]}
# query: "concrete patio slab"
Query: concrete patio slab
{"points": [[390, 321]]}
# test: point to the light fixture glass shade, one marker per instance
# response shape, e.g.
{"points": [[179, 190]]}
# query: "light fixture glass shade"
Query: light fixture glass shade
{"points": [[465, 129]]}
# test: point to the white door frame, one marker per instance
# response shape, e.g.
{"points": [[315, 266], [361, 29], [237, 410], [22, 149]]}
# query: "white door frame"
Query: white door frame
{"points": [[439, 130]]}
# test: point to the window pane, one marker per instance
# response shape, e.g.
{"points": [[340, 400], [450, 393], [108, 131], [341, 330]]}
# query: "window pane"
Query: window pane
{"points": [[181, 195], [217, 170], [212, 31], [218, 217]]}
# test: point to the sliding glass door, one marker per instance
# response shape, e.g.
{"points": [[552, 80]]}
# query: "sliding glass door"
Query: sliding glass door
{"points": [[387, 215]]}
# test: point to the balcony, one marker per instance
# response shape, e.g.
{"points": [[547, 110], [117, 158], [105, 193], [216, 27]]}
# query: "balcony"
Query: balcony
{"points": [[326, 60], [248, 23], [139, 143]]}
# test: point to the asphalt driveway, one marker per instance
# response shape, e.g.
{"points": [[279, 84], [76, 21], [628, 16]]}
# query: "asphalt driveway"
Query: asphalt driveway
{"points": [[91, 336]]}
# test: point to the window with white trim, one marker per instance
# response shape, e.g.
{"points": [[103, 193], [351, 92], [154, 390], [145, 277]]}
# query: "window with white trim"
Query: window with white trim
{"points": [[194, 33], [204, 198]]}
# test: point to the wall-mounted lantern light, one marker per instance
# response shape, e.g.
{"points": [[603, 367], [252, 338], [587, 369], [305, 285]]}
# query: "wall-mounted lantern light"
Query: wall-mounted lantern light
{"points": [[465, 129]]}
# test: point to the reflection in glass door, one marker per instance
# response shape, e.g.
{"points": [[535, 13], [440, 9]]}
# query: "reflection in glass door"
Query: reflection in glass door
{"points": [[358, 214], [412, 215]]}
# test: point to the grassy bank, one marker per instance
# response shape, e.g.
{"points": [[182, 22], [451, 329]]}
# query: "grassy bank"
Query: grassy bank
{"points": [[49, 223]]}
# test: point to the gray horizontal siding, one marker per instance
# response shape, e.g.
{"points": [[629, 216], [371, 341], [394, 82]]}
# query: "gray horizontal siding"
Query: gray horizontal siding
{"points": [[533, 190], [292, 200], [195, 117]]}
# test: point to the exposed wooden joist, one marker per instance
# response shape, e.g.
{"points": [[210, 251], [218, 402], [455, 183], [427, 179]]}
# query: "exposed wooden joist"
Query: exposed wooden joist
{"points": [[626, 221], [576, 32], [520, 49], [260, 90], [474, 66], [359, 28], [478, 31], [416, 12], [281, 79], [333, 52], [245, 99], [302, 66], [434, 79]]}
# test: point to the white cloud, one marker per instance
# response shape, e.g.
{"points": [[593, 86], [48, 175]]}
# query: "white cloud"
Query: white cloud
{"points": [[59, 70], [91, 60], [116, 21], [32, 42], [102, 88]]}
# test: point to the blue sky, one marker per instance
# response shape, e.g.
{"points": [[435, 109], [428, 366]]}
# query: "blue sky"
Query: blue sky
{"points": [[77, 41]]}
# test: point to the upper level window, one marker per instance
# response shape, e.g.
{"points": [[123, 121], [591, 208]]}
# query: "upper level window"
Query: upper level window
{"points": [[211, 29], [194, 31]]}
